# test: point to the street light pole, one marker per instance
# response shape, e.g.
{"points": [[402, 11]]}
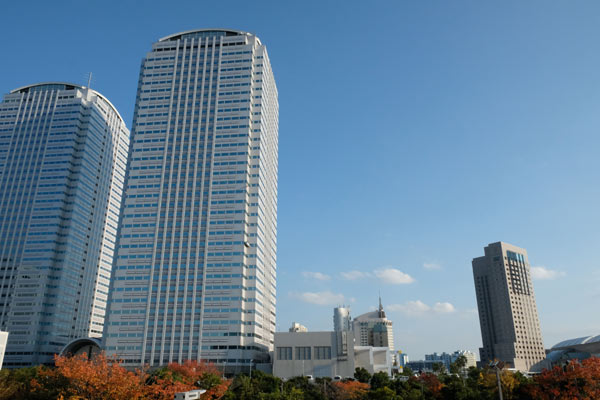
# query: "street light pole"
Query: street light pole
{"points": [[499, 384], [498, 365]]}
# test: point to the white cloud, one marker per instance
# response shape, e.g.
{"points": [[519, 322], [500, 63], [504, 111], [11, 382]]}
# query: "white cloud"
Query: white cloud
{"points": [[542, 273], [325, 298], [354, 275], [417, 308], [316, 275], [432, 266], [393, 276], [443, 307]]}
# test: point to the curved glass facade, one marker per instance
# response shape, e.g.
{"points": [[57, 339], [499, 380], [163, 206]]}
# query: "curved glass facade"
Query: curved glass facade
{"points": [[63, 153]]}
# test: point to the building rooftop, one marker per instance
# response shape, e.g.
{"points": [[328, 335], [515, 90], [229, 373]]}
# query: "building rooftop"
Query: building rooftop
{"points": [[62, 86], [203, 33]]}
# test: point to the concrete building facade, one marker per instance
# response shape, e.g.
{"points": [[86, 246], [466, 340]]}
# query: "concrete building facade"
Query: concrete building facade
{"points": [[373, 359], [319, 354], [508, 316], [195, 273], [63, 154]]}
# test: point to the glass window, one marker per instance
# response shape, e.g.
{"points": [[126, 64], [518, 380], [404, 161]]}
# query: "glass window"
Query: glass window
{"points": [[284, 353], [322, 353], [302, 353]]}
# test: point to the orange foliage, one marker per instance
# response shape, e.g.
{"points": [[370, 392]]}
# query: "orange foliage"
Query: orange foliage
{"points": [[431, 382], [104, 379], [187, 376], [578, 380], [96, 379], [350, 390]]}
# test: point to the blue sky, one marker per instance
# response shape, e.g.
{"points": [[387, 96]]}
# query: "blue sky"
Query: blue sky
{"points": [[412, 134]]}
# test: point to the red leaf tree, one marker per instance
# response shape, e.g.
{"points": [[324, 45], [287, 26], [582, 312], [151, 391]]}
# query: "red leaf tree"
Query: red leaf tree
{"points": [[577, 380]]}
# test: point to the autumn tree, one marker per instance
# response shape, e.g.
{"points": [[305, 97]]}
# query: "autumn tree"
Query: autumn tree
{"points": [[163, 383], [576, 380], [431, 384], [96, 379], [349, 390]]}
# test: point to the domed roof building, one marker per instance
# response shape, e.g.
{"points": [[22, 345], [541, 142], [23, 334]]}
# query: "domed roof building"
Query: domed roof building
{"points": [[574, 349], [374, 329]]}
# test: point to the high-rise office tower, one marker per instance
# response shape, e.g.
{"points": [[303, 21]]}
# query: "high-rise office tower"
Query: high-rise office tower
{"points": [[63, 153], [508, 316], [195, 272]]}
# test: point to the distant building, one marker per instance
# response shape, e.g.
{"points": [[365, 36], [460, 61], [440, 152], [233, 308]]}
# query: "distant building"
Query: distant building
{"points": [[402, 358], [296, 327], [420, 365], [341, 319], [325, 354], [374, 329], [447, 359], [508, 316]]}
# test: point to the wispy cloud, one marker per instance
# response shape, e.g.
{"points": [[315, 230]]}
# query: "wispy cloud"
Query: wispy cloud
{"points": [[325, 298], [543, 273], [387, 275], [316, 275], [393, 276], [417, 308], [443, 307], [354, 275], [432, 266]]}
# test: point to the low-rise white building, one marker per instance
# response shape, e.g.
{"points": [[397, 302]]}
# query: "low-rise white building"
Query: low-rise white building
{"points": [[325, 354], [373, 359], [318, 354]]}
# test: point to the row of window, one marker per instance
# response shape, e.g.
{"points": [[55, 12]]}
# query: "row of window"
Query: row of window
{"points": [[304, 353]]}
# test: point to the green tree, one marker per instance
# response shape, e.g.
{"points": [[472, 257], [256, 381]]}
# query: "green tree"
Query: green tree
{"points": [[380, 380], [382, 393], [438, 368], [362, 375], [458, 366]]}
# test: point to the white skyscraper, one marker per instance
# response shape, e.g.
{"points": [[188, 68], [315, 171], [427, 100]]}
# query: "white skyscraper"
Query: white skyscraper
{"points": [[196, 266], [63, 153]]}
